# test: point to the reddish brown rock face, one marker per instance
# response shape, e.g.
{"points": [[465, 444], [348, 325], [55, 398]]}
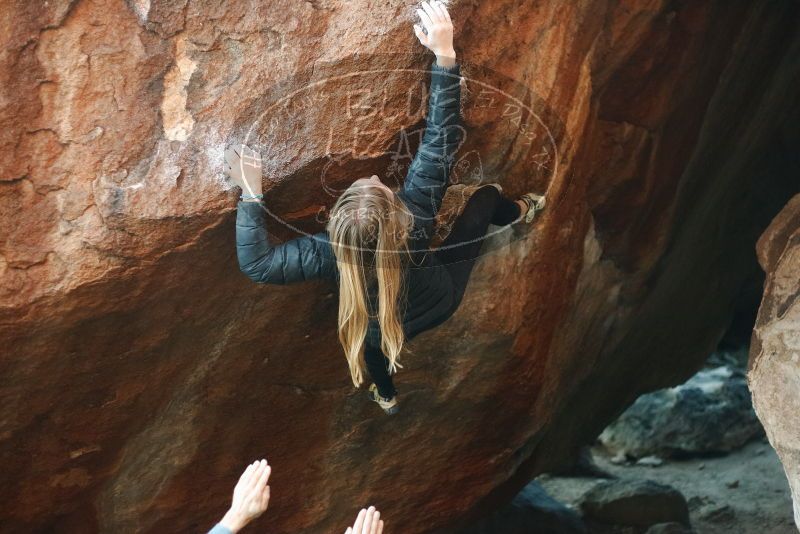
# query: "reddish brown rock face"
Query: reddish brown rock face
{"points": [[774, 373], [141, 371]]}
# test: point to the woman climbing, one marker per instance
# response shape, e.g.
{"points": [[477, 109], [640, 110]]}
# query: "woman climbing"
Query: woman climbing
{"points": [[375, 245]]}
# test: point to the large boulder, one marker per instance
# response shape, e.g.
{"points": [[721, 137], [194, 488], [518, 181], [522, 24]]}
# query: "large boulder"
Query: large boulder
{"points": [[669, 528], [712, 412], [141, 371], [636, 503], [774, 373], [532, 511]]}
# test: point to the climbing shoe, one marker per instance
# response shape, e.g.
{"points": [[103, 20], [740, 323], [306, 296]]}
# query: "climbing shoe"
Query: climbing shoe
{"points": [[388, 405], [535, 204]]}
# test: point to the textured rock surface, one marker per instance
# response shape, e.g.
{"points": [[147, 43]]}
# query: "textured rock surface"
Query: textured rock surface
{"points": [[141, 371], [774, 373], [668, 528], [532, 511], [711, 412], [639, 503]]}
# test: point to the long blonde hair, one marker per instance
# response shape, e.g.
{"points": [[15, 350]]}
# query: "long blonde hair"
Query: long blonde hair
{"points": [[368, 229]]}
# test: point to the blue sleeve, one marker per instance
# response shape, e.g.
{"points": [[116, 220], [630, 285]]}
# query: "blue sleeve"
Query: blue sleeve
{"points": [[297, 260], [220, 529], [429, 173]]}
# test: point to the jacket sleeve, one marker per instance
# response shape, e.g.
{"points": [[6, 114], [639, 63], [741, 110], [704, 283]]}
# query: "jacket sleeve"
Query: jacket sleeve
{"points": [[297, 260], [429, 173]]}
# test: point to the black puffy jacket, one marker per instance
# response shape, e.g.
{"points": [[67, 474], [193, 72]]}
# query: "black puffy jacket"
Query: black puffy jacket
{"points": [[429, 287]]}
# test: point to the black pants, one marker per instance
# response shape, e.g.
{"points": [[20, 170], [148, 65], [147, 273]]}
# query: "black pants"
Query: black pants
{"points": [[458, 254]]}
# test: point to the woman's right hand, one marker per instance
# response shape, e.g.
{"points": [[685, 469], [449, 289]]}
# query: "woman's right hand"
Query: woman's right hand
{"points": [[368, 522], [243, 167], [438, 36]]}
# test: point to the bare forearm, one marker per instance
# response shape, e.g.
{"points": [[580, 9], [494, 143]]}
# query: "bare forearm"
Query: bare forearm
{"points": [[233, 521], [447, 59], [253, 188]]}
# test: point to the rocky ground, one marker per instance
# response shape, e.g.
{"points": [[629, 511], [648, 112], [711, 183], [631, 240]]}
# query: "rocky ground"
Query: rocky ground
{"points": [[691, 459], [742, 492]]}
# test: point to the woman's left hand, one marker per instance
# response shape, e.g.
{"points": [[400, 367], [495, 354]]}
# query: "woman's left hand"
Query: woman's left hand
{"points": [[243, 166]]}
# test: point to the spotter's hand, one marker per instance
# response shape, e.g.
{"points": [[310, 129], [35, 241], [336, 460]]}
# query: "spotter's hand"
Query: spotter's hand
{"points": [[250, 496], [368, 522]]}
